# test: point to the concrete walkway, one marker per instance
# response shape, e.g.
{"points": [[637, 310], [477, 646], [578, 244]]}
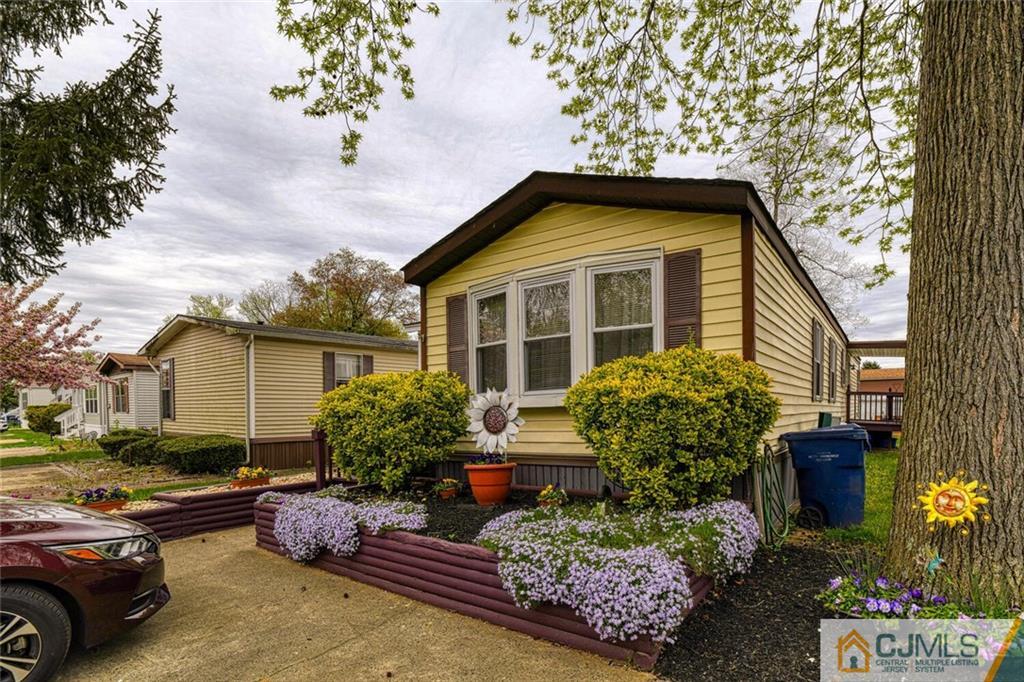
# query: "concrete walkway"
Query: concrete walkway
{"points": [[22, 451], [239, 613]]}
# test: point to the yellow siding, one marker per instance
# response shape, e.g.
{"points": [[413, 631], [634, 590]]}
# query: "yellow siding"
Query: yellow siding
{"points": [[567, 231], [289, 381], [783, 314], [209, 382]]}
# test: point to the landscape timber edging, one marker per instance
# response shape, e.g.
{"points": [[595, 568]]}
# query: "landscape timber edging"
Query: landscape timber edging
{"points": [[464, 578]]}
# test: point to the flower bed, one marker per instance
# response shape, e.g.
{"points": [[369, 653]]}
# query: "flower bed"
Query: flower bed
{"points": [[208, 509], [617, 602]]}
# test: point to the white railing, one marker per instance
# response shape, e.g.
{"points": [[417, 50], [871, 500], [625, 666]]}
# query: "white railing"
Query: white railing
{"points": [[71, 421]]}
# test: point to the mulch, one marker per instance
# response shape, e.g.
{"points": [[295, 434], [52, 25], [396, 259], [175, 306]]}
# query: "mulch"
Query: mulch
{"points": [[760, 626]]}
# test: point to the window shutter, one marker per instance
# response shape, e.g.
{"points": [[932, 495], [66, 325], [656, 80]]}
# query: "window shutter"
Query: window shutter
{"points": [[458, 336], [328, 371], [816, 353], [682, 298], [831, 370], [367, 365], [174, 403]]}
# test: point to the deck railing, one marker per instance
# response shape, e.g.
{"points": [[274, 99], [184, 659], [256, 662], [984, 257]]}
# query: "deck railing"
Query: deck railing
{"points": [[872, 406]]}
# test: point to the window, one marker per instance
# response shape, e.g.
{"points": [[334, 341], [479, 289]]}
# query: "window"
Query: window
{"points": [[832, 370], [167, 389], [121, 396], [92, 400], [547, 335], [817, 344], [346, 367], [622, 312], [491, 341]]}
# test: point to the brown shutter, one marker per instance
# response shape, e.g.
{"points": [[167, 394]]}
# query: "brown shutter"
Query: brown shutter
{"points": [[682, 298], [174, 402], [831, 370], [367, 365], [458, 336], [328, 371], [816, 353]]}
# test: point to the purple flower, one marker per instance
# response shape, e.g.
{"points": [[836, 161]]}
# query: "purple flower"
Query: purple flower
{"points": [[884, 605], [916, 593], [881, 581], [914, 608], [905, 596], [871, 604], [897, 607], [835, 583], [938, 600], [855, 609]]}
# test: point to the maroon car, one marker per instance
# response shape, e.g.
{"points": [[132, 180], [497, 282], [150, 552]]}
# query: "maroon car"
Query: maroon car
{"points": [[70, 574]]}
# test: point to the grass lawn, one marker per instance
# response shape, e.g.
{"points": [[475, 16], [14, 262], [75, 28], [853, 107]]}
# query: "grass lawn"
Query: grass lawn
{"points": [[23, 438], [67, 456], [880, 480]]}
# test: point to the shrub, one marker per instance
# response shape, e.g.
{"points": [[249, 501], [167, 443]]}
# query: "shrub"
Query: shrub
{"points": [[675, 427], [386, 427], [42, 418], [141, 451], [140, 433], [113, 443], [202, 454]]}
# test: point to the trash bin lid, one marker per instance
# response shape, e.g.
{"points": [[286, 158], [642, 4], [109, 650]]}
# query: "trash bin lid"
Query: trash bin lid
{"points": [[839, 432]]}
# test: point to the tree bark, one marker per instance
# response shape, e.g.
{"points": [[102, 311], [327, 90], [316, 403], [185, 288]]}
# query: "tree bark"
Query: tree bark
{"points": [[965, 346]]}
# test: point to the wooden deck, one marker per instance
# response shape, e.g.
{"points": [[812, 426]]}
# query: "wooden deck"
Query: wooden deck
{"points": [[878, 413]]}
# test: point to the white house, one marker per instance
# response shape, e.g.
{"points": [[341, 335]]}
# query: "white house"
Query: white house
{"points": [[31, 396], [128, 397]]}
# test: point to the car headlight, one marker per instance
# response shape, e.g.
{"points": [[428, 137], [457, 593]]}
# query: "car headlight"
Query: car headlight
{"points": [[111, 550]]}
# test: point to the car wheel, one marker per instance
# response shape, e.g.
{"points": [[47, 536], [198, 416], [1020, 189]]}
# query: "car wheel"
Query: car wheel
{"points": [[35, 633]]}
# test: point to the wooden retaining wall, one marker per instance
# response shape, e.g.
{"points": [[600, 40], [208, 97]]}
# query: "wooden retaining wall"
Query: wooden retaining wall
{"points": [[464, 578]]}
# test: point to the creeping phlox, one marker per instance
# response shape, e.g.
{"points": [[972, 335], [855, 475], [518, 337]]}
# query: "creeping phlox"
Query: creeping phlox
{"points": [[306, 525], [626, 574]]}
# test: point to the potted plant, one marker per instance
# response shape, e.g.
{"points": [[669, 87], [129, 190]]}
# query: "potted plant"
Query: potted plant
{"points": [[104, 499], [494, 421], [250, 477], [447, 488], [552, 496]]}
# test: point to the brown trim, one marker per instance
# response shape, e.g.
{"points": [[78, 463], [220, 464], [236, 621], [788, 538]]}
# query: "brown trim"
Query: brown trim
{"points": [[869, 345], [554, 460], [540, 188], [366, 366], [281, 439], [329, 377], [747, 284], [423, 326]]}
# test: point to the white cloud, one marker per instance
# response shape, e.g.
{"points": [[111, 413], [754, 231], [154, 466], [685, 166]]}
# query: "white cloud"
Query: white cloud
{"points": [[254, 190]]}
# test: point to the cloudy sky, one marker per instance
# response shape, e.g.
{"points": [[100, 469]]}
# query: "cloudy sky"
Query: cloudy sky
{"points": [[254, 190]]}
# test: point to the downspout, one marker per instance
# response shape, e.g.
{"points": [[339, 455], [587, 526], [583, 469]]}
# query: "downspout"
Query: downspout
{"points": [[250, 407], [159, 405]]}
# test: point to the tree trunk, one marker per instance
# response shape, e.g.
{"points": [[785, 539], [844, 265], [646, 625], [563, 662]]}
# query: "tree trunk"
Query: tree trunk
{"points": [[965, 346]]}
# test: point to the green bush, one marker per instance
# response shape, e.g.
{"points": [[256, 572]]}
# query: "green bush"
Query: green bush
{"points": [[42, 418], [143, 450], [201, 454], [674, 427], [385, 428], [113, 442], [140, 433]]}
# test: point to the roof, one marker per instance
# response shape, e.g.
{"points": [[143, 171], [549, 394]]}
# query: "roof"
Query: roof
{"points": [[179, 322], [112, 361], [894, 348], [885, 373], [541, 188]]}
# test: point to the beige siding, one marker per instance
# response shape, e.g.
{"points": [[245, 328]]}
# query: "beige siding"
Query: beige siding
{"points": [[783, 319], [567, 231], [289, 381], [209, 382], [146, 400]]}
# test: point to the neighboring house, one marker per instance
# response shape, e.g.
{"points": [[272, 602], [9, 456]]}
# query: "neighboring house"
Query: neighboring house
{"points": [[261, 382], [885, 380], [128, 398], [565, 271], [34, 395]]}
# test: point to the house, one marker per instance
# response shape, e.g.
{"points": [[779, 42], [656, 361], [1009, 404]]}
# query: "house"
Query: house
{"points": [[128, 397], [260, 382], [566, 271], [30, 396], [884, 380]]}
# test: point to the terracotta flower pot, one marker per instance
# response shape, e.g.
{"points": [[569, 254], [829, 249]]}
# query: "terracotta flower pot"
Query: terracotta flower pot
{"points": [[447, 494], [250, 482], [491, 483], [107, 505]]}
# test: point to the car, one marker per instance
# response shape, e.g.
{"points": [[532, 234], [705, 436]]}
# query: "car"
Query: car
{"points": [[13, 419], [70, 574], [3, 423]]}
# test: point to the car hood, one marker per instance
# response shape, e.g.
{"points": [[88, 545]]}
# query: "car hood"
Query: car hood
{"points": [[52, 523]]}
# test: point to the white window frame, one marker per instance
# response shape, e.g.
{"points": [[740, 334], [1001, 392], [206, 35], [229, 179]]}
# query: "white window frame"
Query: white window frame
{"points": [[94, 400], [578, 272], [474, 335], [654, 266], [521, 340], [359, 365]]}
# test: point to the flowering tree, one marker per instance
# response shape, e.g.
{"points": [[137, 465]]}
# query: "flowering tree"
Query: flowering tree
{"points": [[40, 345]]}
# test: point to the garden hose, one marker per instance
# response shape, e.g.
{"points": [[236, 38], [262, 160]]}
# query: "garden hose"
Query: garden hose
{"points": [[774, 508]]}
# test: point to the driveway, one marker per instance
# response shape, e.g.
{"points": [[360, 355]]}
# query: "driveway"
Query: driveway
{"points": [[241, 613]]}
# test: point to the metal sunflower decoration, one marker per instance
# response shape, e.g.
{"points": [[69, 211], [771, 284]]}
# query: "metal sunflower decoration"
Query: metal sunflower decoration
{"points": [[954, 501], [494, 420]]}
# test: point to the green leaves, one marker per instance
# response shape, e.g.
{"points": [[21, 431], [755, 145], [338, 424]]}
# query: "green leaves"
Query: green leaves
{"points": [[78, 164], [354, 45]]}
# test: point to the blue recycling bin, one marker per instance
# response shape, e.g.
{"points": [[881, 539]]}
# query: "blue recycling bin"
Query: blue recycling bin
{"points": [[829, 465]]}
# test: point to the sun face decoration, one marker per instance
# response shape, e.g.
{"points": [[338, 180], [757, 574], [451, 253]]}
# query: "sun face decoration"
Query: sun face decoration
{"points": [[494, 420], [953, 502]]}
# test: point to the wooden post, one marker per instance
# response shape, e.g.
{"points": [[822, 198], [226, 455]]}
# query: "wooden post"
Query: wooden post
{"points": [[320, 458]]}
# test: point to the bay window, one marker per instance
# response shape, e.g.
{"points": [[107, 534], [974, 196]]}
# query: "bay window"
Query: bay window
{"points": [[547, 335], [491, 342]]}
